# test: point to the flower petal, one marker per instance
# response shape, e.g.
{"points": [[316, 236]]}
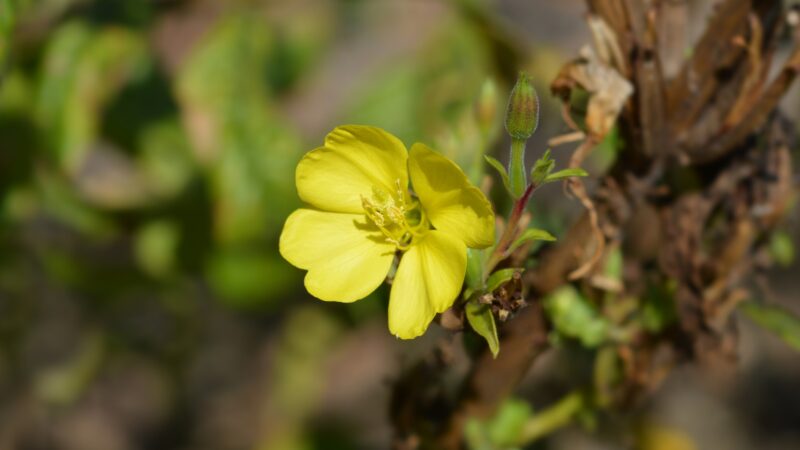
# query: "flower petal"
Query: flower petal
{"points": [[355, 159], [452, 204], [346, 257], [427, 282]]}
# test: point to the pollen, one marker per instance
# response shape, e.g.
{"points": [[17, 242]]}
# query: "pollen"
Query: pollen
{"points": [[399, 217]]}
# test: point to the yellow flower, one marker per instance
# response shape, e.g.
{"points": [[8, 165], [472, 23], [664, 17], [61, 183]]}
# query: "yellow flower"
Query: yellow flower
{"points": [[361, 214]]}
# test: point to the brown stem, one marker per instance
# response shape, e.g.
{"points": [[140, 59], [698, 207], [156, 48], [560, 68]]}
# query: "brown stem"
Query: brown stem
{"points": [[523, 339], [492, 380]]}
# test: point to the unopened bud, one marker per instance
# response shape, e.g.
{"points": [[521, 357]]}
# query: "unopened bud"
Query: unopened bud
{"points": [[522, 115]]}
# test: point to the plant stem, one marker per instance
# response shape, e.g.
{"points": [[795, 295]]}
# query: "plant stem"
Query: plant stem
{"points": [[510, 231], [552, 418], [517, 175]]}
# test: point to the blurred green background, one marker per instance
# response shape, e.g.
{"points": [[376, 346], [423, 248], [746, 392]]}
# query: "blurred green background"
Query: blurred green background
{"points": [[147, 154]]}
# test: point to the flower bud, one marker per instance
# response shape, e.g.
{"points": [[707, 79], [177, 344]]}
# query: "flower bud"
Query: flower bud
{"points": [[522, 115]]}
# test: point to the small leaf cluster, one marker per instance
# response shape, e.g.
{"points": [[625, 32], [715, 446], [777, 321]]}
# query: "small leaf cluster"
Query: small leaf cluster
{"points": [[542, 172], [493, 293]]}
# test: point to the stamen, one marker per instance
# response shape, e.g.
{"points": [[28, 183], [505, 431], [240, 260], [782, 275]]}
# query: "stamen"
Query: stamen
{"points": [[399, 221], [401, 198]]}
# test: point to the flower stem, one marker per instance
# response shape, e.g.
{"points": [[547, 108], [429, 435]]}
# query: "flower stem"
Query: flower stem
{"points": [[553, 418], [517, 175], [510, 231]]}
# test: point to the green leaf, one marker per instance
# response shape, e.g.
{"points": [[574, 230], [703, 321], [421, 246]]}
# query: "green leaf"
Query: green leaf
{"points": [[166, 160], [607, 151], [566, 173], [481, 320], [781, 248], [155, 246], [506, 426], [574, 316], [60, 200], [541, 172], [531, 234], [500, 277], [249, 278], [607, 374], [250, 152], [476, 436], [775, 319], [614, 265], [502, 431], [542, 169], [500, 169], [398, 98], [7, 19], [64, 383], [474, 275], [658, 307], [83, 70], [7, 16]]}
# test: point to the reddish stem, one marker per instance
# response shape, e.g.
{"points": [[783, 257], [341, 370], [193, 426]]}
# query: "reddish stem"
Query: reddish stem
{"points": [[511, 230]]}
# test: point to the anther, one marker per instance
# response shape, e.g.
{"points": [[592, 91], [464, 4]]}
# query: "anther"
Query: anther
{"points": [[400, 193]]}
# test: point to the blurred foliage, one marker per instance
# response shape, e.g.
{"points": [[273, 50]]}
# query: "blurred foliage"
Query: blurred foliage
{"points": [[781, 248], [575, 317], [8, 15], [147, 155], [775, 319], [503, 430], [659, 437], [147, 167]]}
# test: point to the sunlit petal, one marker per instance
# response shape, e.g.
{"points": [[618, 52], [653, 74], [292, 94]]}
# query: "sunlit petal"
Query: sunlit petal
{"points": [[346, 257], [427, 282], [452, 204], [354, 160]]}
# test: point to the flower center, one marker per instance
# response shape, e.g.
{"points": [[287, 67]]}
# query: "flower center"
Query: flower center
{"points": [[399, 217]]}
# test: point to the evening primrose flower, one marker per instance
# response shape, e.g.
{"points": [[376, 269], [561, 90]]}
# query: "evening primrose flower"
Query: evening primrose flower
{"points": [[361, 214]]}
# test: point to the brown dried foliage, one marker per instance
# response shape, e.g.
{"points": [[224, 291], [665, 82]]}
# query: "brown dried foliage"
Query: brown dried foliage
{"points": [[714, 123]]}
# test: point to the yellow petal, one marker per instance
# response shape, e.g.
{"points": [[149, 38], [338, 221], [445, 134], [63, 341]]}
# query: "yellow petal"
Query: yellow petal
{"points": [[355, 159], [452, 204], [346, 258], [427, 282]]}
